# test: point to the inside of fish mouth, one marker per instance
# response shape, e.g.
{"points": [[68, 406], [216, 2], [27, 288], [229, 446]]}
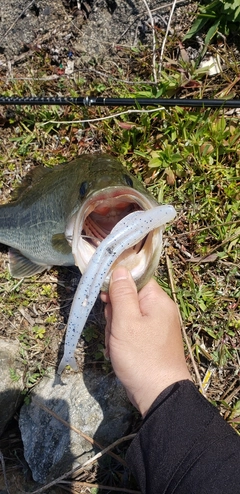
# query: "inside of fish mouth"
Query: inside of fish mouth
{"points": [[100, 222]]}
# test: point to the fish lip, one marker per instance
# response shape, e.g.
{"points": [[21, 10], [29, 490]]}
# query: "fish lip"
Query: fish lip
{"points": [[116, 191], [111, 192], [81, 249]]}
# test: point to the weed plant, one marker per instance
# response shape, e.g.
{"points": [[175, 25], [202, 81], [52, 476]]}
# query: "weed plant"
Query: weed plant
{"points": [[219, 16]]}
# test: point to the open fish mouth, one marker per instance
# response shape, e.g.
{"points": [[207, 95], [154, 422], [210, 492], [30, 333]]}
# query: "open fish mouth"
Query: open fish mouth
{"points": [[100, 212]]}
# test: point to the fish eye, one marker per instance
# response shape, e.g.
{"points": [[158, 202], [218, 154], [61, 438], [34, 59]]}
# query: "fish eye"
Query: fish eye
{"points": [[83, 189], [128, 180]]}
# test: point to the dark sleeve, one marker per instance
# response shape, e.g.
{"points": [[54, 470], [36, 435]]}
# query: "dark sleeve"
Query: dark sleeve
{"points": [[185, 447]]}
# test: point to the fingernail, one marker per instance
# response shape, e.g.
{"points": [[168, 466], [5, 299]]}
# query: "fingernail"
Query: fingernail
{"points": [[120, 273], [106, 354]]}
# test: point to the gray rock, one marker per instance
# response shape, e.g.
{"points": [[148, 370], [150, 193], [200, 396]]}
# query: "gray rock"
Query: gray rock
{"points": [[11, 383], [94, 403]]}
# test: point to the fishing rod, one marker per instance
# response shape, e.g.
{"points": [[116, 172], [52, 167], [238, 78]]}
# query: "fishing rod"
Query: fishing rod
{"points": [[88, 101]]}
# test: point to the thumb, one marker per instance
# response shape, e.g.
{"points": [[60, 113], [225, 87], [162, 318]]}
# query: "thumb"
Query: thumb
{"points": [[123, 295]]}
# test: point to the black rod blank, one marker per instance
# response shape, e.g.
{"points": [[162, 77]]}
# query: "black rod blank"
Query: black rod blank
{"points": [[88, 101]]}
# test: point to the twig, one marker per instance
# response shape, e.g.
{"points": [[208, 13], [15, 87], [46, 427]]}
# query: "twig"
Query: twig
{"points": [[113, 115], [79, 469], [29, 53], [45, 79], [224, 242], [109, 76], [232, 395], [19, 17], [165, 38], [100, 486], [153, 41], [170, 269], [17, 285], [126, 30], [26, 316], [4, 472], [79, 432], [166, 5], [162, 7], [211, 225]]}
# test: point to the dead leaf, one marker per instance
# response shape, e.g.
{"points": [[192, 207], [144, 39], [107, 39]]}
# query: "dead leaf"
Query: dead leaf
{"points": [[126, 125], [210, 258], [183, 53], [170, 176]]}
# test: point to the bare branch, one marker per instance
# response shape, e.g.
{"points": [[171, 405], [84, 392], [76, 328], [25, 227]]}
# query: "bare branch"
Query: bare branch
{"points": [[79, 469], [89, 120], [165, 38], [154, 40], [4, 472]]}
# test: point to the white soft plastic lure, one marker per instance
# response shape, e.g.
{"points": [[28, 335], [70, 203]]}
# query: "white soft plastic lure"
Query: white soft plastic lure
{"points": [[126, 233]]}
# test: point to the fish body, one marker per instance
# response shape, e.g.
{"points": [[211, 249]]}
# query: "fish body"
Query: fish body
{"points": [[60, 216]]}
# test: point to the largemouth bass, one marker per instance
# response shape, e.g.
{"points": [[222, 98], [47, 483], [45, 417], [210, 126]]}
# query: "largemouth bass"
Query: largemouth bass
{"points": [[91, 195]]}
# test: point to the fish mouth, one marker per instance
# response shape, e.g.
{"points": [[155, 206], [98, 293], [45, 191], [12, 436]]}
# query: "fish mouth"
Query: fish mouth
{"points": [[95, 220]]}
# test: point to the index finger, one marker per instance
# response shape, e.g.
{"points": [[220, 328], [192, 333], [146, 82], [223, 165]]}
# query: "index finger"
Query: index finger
{"points": [[105, 297]]}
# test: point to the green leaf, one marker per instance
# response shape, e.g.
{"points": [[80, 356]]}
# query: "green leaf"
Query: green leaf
{"points": [[198, 24], [202, 305], [176, 157], [228, 6], [216, 4], [236, 16], [212, 31], [210, 332], [155, 163], [236, 410]]}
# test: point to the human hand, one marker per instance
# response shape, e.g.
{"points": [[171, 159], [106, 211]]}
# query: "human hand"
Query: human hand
{"points": [[143, 338]]}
